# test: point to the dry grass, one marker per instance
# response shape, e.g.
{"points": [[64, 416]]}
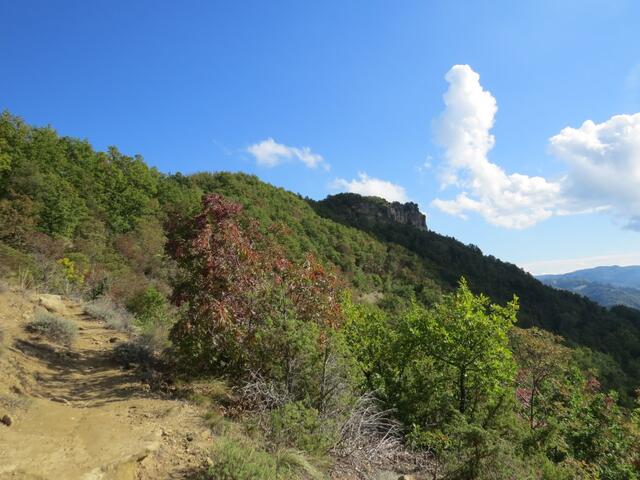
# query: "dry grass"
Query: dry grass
{"points": [[55, 328], [115, 317]]}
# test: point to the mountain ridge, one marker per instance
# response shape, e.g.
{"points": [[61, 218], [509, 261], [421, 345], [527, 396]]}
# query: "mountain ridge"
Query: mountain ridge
{"points": [[607, 285]]}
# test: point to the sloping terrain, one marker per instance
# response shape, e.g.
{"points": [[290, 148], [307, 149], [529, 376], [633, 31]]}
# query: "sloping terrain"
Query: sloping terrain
{"points": [[602, 293], [75, 413], [608, 286]]}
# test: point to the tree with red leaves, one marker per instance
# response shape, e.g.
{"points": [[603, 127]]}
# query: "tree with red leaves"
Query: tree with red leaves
{"points": [[246, 308]]}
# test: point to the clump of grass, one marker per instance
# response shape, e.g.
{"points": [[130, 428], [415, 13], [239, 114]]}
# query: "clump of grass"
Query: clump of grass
{"points": [[239, 459], [219, 424], [115, 317], [294, 464], [55, 328], [155, 338], [208, 392]]}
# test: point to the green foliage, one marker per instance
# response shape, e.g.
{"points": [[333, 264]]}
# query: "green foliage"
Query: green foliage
{"points": [[53, 327], [246, 308], [150, 307], [258, 293], [615, 332], [295, 425], [239, 460], [598, 434], [468, 334], [426, 361]]}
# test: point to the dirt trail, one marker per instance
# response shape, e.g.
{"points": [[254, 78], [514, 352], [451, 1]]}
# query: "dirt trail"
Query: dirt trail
{"points": [[77, 414]]}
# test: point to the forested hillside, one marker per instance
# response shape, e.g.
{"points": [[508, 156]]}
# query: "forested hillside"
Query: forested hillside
{"points": [[104, 224], [602, 293], [105, 211]]}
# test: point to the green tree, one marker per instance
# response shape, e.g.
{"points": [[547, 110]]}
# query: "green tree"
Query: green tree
{"points": [[543, 364], [468, 334]]}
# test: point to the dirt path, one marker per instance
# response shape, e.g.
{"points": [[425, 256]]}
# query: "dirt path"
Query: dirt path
{"points": [[77, 414]]}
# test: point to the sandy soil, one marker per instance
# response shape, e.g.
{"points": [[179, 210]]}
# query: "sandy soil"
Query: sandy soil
{"points": [[77, 414]]}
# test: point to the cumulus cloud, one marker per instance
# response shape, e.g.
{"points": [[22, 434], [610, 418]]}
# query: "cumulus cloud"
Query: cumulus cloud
{"points": [[464, 132], [372, 187], [269, 153], [604, 165]]}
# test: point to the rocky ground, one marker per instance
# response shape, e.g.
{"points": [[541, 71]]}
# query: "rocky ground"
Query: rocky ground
{"points": [[75, 412]]}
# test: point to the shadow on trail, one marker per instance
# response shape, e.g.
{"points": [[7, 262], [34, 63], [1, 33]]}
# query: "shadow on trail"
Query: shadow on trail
{"points": [[92, 377]]}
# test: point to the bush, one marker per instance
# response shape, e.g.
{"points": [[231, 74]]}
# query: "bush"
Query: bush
{"points": [[132, 353], [115, 317], [155, 338], [150, 307], [294, 425], [236, 460], [152, 316], [54, 328], [239, 460]]}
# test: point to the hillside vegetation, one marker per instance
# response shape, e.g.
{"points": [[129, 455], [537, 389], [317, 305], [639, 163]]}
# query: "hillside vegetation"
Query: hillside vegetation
{"points": [[607, 286], [602, 293], [343, 330]]}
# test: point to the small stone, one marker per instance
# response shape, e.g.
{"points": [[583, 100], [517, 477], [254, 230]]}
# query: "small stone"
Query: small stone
{"points": [[6, 419], [209, 461], [189, 438]]}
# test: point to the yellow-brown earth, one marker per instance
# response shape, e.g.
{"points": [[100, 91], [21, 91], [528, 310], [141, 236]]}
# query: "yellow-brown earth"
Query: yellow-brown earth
{"points": [[76, 414]]}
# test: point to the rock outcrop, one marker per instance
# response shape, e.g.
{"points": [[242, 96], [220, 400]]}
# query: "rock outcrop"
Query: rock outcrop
{"points": [[369, 210], [52, 303]]}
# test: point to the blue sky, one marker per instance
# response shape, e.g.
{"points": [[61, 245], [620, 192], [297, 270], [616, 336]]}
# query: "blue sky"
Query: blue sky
{"points": [[320, 97]]}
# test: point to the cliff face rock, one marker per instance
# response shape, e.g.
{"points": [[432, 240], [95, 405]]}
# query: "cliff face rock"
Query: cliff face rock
{"points": [[375, 210], [407, 214]]}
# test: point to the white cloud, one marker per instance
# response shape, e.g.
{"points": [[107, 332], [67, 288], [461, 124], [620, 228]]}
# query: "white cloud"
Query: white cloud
{"points": [[464, 131], [604, 165], [269, 153], [372, 187]]}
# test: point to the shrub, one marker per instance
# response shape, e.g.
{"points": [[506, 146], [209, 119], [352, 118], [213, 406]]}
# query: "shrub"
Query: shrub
{"points": [[155, 338], [115, 317], [246, 308], [151, 311], [210, 391], [294, 425], [56, 329], [150, 307], [239, 460], [132, 353]]}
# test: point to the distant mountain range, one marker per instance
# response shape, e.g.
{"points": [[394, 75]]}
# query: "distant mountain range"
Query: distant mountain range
{"points": [[608, 286]]}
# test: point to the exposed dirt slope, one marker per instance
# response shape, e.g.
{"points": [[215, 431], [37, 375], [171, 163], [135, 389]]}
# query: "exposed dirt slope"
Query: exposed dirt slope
{"points": [[76, 414]]}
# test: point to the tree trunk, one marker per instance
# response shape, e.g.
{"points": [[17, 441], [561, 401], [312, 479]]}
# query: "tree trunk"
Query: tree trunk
{"points": [[462, 390]]}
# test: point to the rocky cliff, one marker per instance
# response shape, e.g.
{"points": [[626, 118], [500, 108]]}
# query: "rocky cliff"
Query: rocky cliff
{"points": [[375, 210]]}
